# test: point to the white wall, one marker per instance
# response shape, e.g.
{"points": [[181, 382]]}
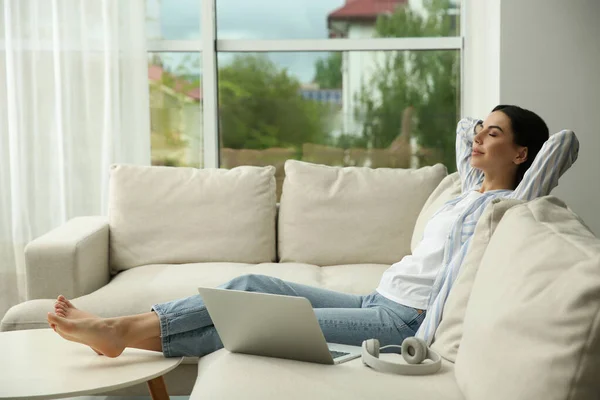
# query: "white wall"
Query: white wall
{"points": [[549, 58], [550, 63]]}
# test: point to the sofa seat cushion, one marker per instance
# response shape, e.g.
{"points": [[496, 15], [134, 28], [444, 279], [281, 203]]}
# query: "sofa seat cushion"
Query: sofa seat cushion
{"points": [[134, 291], [224, 375]]}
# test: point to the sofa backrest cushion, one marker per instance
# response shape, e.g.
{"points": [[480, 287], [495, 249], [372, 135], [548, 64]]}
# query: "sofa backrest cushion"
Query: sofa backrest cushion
{"points": [[449, 333], [351, 215], [531, 330], [184, 215], [448, 189]]}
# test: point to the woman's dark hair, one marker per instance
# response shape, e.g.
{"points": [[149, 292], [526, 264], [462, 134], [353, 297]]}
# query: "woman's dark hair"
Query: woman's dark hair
{"points": [[530, 131]]}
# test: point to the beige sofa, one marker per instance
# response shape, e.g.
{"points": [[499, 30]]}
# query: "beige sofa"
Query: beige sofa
{"points": [[521, 321]]}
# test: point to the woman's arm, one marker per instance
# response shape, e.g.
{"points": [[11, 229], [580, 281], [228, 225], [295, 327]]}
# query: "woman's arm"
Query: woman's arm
{"points": [[465, 133], [556, 156]]}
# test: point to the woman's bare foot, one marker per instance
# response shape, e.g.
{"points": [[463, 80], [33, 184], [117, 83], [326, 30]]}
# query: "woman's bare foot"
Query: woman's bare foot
{"points": [[101, 334], [64, 308]]}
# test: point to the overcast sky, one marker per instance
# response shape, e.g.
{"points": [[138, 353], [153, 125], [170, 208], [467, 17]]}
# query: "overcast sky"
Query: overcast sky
{"points": [[256, 19], [251, 19]]}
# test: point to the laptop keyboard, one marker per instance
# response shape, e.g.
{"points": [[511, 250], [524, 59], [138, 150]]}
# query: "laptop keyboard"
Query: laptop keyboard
{"points": [[337, 354]]}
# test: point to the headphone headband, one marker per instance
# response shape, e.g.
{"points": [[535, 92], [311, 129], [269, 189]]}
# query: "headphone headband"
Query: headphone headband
{"points": [[414, 352]]}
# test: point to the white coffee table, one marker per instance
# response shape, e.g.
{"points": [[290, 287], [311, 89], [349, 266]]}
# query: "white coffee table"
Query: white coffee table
{"points": [[39, 364]]}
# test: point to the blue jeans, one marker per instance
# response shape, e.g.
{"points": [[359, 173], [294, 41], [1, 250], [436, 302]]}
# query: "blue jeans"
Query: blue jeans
{"points": [[187, 329]]}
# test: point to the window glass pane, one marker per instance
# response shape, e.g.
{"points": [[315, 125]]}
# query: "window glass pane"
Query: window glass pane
{"points": [[175, 109], [393, 109], [319, 19], [173, 19]]}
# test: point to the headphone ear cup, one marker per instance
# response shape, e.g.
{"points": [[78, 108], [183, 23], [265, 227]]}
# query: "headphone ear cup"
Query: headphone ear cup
{"points": [[414, 350], [373, 347]]}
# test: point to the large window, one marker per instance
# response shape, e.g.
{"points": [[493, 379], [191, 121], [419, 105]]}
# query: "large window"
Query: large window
{"points": [[363, 82]]}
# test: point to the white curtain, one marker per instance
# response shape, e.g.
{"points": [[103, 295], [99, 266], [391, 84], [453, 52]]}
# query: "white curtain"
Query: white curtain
{"points": [[73, 100]]}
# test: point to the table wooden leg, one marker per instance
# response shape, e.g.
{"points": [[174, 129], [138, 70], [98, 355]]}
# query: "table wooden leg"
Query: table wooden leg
{"points": [[158, 389]]}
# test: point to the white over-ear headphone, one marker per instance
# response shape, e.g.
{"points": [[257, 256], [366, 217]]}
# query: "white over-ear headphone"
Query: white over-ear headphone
{"points": [[414, 350]]}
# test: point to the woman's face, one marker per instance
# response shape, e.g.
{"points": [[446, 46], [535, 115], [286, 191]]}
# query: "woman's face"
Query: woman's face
{"points": [[494, 149]]}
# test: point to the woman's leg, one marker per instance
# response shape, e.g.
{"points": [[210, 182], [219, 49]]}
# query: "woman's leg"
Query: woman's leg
{"points": [[376, 317], [154, 344], [190, 313], [187, 329], [379, 318], [184, 320]]}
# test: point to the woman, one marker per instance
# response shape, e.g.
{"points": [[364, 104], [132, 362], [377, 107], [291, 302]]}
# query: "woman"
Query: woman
{"points": [[496, 158]]}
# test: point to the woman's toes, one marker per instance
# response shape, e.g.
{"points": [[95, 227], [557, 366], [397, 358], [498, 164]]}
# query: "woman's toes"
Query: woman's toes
{"points": [[62, 299], [52, 325], [55, 319]]}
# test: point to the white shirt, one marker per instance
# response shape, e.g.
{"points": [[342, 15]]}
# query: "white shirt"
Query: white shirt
{"points": [[410, 280]]}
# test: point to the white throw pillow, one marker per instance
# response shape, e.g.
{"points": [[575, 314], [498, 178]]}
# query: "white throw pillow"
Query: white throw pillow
{"points": [[448, 189], [449, 333], [351, 215], [531, 330], [165, 215]]}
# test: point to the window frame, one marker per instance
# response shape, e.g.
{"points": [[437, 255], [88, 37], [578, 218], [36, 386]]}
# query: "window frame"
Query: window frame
{"points": [[209, 47]]}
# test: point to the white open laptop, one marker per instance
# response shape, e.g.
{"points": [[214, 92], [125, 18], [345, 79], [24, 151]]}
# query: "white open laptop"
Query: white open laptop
{"points": [[273, 326]]}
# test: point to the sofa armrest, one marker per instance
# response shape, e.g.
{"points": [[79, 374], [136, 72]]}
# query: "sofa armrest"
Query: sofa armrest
{"points": [[71, 260]]}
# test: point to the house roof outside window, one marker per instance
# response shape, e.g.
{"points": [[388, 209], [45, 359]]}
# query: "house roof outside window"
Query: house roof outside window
{"points": [[364, 10], [359, 11]]}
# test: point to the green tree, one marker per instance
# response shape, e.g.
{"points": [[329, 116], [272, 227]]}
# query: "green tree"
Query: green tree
{"points": [[328, 71], [427, 81], [261, 106]]}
